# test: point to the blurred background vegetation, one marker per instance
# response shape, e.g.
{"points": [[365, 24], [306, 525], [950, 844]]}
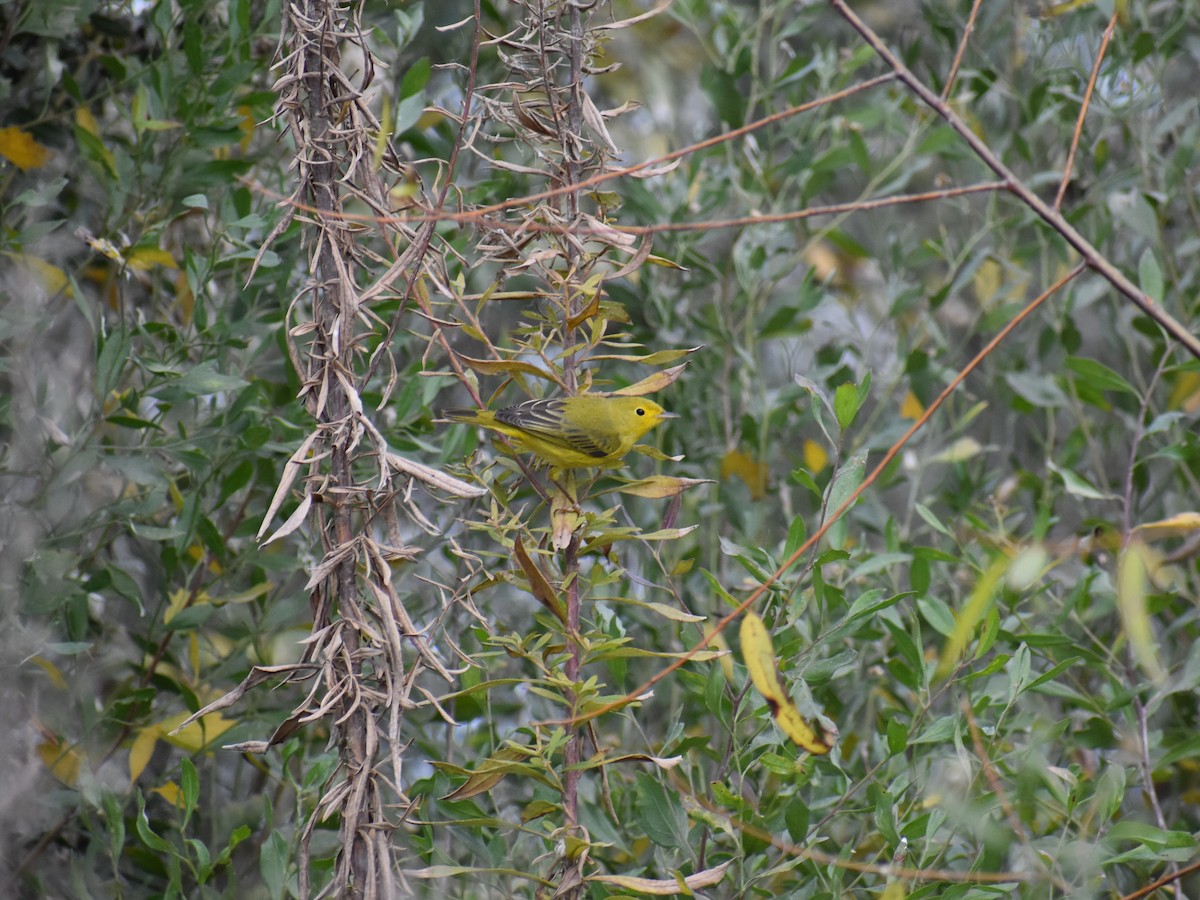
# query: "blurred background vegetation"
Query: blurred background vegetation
{"points": [[1002, 630]]}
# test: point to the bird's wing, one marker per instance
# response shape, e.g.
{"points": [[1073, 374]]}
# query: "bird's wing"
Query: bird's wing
{"points": [[544, 418]]}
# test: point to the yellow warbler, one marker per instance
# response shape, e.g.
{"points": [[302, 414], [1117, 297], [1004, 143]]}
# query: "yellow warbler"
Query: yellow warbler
{"points": [[572, 432]]}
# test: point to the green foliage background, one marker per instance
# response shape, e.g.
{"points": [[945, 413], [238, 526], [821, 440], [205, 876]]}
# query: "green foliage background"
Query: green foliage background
{"points": [[149, 406]]}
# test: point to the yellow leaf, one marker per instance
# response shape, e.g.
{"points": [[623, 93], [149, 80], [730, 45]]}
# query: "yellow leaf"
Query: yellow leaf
{"points": [[653, 359], [588, 310], [246, 125], [53, 672], [1133, 568], [986, 283], [1185, 393], [652, 383], [815, 457], [53, 279], [145, 258], [184, 298], [1179, 525], [972, 613], [961, 450], [20, 149], [658, 487], [505, 367], [718, 642], [823, 259], [246, 596], [665, 263], [753, 472], [178, 602], [671, 612], [665, 887], [64, 763], [759, 656], [684, 566], [911, 408], [196, 736], [85, 121], [106, 248], [141, 750], [171, 793]]}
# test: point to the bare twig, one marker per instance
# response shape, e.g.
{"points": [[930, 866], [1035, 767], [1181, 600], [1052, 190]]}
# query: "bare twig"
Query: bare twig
{"points": [[1083, 109], [968, 30]]}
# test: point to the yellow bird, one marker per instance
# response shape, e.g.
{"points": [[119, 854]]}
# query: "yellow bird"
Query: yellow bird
{"points": [[572, 432]]}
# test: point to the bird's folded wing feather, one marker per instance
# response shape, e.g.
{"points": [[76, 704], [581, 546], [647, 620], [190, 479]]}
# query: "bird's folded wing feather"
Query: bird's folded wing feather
{"points": [[544, 418]]}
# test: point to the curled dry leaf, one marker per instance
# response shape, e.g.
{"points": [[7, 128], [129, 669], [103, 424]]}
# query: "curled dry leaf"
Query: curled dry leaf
{"points": [[434, 477]]}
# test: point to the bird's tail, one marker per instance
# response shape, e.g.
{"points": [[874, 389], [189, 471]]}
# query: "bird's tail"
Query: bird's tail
{"points": [[461, 415]]}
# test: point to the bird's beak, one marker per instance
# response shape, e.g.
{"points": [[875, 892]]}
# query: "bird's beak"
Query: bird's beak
{"points": [[667, 415]]}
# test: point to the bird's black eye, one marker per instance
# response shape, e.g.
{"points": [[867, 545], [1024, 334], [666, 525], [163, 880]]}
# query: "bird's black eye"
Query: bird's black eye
{"points": [[640, 411]]}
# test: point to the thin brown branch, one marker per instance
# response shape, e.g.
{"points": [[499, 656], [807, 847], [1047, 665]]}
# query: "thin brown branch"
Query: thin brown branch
{"points": [[834, 209], [1083, 109], [609, 175], [968, 29], [714, 141], [572, 753]]}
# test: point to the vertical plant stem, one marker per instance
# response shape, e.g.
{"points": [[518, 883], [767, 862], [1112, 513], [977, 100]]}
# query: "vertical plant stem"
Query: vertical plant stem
{"points": [[331, 352], [571, 170]]}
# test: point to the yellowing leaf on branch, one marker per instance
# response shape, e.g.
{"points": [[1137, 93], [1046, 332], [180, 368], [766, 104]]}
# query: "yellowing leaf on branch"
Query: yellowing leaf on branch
{"points": [[145, 258], [815, 457], [652, 383], [759, 656], [171, 793], [911, 408], [982, 598], [740, 464], [1185, 392], [1134, 568], [658, 487], [20, 149], [665, 887], [1178, 525], [63, 760], [52, 279]]}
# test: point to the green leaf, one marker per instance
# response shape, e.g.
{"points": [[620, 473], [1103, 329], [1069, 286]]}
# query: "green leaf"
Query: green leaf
{"points": [[660, 814], [1037, 390], [204, 379], [848, 400], [1150, 277], [111, 361], [1097, 374], [273, 863], [145, 832]]}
